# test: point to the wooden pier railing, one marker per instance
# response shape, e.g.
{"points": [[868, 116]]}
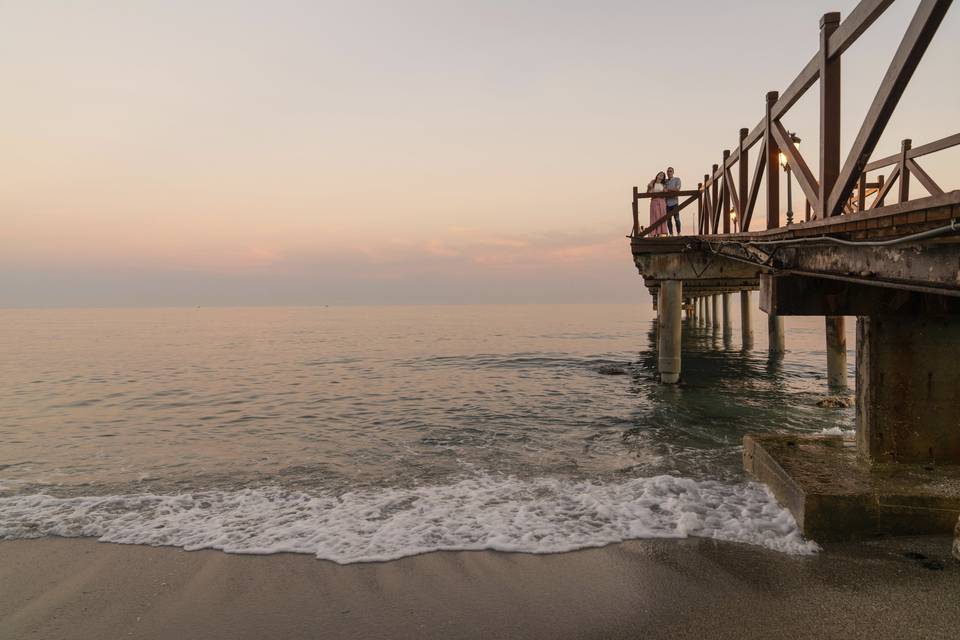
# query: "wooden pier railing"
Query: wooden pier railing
{"points": [[726, 203]]}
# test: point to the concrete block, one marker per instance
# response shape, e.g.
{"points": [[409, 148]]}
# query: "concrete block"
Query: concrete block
{"points": [[834, 495]]}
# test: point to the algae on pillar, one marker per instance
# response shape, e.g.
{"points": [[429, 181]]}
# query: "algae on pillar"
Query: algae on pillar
{"points": [[668, 330], [836, 353], [746, 328], [907, 382]]}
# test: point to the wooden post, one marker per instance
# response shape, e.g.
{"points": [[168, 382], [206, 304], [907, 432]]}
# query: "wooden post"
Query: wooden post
{"points": [[726, 194], [880, 180], [829, 113], [713, 197], [862, 192], [743, 169], [926, 20], [904, 170], [706, 205], [806, 210], [773, 165], [636, 212], [700, 207]]}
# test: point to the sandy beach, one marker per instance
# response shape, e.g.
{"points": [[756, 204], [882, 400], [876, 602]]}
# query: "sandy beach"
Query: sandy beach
{"points": [[79, 588]]}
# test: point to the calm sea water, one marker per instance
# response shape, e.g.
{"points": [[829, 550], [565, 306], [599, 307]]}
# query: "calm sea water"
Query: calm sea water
{"points": [[370, 433]]}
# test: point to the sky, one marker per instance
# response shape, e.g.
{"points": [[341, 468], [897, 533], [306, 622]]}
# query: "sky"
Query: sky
{"points": [[239, 153]]}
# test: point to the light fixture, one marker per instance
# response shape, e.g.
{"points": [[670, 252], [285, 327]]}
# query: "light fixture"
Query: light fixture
{"points": [[795, 139]]}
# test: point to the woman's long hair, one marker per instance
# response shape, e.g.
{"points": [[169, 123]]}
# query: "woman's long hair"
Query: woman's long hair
{"points": [[660, 177]]}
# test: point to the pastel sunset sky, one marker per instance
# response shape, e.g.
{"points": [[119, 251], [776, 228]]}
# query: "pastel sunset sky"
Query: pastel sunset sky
{"points": [[245, 153]]}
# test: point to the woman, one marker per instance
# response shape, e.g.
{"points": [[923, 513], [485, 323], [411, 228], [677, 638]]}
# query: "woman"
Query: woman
{"points": [[658, 206]]}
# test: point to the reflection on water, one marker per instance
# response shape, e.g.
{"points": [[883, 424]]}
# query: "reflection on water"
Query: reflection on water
{"points": [[121, 401]]}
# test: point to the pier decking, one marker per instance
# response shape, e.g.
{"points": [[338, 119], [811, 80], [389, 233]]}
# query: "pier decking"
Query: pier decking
{"points": [[895, 266]]}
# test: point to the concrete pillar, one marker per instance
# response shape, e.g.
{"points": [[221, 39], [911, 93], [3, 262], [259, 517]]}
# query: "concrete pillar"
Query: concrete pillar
{"points": [[668, 331], [716, 314], [775, 332], [727, 319], [746, 327], [907, 382], [836, 353], [707, 316], [956, 541]]}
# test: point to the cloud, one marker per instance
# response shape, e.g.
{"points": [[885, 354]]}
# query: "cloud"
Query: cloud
{"points": [[455, 266]]}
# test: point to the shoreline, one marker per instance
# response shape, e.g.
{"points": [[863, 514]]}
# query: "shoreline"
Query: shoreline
{"points": [[657, 588]]}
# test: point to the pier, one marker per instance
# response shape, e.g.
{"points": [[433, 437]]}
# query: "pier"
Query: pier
{"points": [[879, 240]]}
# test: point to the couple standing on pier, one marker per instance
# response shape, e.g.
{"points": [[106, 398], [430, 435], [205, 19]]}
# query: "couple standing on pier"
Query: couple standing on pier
{"points": [[661, 208]]}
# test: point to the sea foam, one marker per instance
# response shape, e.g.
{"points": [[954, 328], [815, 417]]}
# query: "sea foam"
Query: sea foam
{"points": [[501, 513]]}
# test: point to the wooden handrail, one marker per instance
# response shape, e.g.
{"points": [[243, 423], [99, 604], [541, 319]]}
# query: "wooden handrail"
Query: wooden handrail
{"points": [[916, 152], [837, 183], [667, 194]]}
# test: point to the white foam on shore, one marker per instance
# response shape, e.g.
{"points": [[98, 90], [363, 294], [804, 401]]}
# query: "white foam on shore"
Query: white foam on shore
{"points": [[484, 512], [837, 431]]}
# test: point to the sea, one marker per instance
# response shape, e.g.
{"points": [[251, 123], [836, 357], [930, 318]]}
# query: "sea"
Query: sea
{"points": [[365, 433]]}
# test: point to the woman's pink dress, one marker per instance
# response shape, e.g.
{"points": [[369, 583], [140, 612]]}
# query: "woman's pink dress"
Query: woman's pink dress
{"points": [[658, 211]]}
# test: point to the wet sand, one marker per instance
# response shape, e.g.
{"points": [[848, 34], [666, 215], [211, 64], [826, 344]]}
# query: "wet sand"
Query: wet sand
{"points": [[58, 588]]}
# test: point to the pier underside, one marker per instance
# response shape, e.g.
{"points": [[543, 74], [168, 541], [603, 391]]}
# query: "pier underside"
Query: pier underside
{"points": [[897, 269]]}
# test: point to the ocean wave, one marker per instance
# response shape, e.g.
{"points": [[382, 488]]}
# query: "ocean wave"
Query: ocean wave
{"points": [[545, 515]]}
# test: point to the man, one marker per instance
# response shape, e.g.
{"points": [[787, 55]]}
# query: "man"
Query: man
{"points": [[673, 207]]}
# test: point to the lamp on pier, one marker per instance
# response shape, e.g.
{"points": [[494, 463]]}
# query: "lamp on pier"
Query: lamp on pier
{"points": [[733, 219], [795, 139]]}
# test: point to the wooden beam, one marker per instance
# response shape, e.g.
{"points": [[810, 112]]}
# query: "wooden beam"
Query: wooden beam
{"points": [[938, 145], [773, 173], [734, 195], [667, 194], [636, 213], [755, 187], [726, 192], [714, 201], [829, 113], [916, 152], [797, 164], [717, 206], [859, 20], [743, 175], [922, 28], [862, 192], [687, 201], [904, 192], [704, 227], [699, 208], [885, 186], [924, 178]]}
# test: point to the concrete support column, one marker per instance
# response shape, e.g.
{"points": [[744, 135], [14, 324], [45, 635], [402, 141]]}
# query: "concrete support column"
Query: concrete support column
{"points": [[668, 331], [775, 332], [727, 319], [836, 353], [746, 327], [707, 316], [716, 314], [907, 382]]}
